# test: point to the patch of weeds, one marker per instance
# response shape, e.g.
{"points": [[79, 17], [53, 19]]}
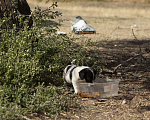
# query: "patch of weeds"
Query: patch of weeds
{"points": [[31, 66], [48, 101]]}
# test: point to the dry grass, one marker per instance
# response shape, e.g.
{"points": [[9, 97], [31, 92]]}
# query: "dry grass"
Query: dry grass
{"points": [[122, 1], [103, 11], [111, 21]]}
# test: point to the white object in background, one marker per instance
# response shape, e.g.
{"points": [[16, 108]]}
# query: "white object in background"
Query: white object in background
{"points": [[134, 26], [80, 26], [61, 33]]}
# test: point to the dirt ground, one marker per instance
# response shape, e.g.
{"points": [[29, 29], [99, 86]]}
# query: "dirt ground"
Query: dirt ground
{"points": [[115, 44]]}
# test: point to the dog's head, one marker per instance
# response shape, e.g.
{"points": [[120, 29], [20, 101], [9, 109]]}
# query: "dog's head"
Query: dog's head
{"points": [[88, 74]]}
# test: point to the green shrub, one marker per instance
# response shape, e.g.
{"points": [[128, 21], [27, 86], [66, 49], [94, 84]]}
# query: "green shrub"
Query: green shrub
{"points": [[48, 101], [33, 55], [31, 63]]}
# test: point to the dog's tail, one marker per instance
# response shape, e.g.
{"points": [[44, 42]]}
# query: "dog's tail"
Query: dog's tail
{"points": [[72, 63]]}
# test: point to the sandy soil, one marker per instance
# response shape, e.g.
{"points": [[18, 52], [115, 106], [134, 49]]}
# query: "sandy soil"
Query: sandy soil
{"points": [[111, 21], [115, 44]]}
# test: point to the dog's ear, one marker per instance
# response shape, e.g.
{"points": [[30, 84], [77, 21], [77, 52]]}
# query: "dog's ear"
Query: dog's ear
{"points": [[82, 74]]}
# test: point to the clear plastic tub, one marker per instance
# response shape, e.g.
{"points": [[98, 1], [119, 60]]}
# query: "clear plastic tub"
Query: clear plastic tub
{"points": [[100, 88]]}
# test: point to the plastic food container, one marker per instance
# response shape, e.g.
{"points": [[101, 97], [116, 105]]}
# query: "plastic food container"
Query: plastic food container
{"points": [[100, 88]]}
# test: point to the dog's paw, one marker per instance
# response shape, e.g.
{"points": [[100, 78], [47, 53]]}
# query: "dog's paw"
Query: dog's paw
{"points": [[76, 93]]}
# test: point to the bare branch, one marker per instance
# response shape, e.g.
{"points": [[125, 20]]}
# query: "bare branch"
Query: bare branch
{"points": [[139, 43]]}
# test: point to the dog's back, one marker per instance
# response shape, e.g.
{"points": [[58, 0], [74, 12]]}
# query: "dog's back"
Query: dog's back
{"points": [[67, 74]]}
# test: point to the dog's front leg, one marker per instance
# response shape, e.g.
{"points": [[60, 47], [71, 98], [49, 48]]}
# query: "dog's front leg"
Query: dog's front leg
{"points": [[74, 83]]}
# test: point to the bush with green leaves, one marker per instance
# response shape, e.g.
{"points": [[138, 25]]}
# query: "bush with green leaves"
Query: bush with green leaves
{"points": [[31, 66], [35, 54], [16, 102]]}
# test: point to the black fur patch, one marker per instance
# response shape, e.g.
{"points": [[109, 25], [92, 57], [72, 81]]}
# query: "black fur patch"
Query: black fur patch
{"points": [[68, 68], [71, 72], [86, 74]]}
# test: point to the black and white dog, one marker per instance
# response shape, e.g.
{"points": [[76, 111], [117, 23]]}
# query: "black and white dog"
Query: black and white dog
{"points": [[73, 74]]}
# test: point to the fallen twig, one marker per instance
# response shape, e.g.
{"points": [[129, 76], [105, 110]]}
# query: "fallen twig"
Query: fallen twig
{"points": [[106, 71], [115, 69]]}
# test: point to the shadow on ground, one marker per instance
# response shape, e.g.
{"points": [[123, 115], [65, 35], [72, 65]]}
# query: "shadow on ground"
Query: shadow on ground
{"points": [[135, 71], [119, 52], [134, 74]]}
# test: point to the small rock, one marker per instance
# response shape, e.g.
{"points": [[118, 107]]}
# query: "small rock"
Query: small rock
{"points": [[124, 101], [95, 104]]}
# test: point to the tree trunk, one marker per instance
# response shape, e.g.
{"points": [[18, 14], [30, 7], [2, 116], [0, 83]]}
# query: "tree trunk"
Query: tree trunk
{"points": [[12, 9]]}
